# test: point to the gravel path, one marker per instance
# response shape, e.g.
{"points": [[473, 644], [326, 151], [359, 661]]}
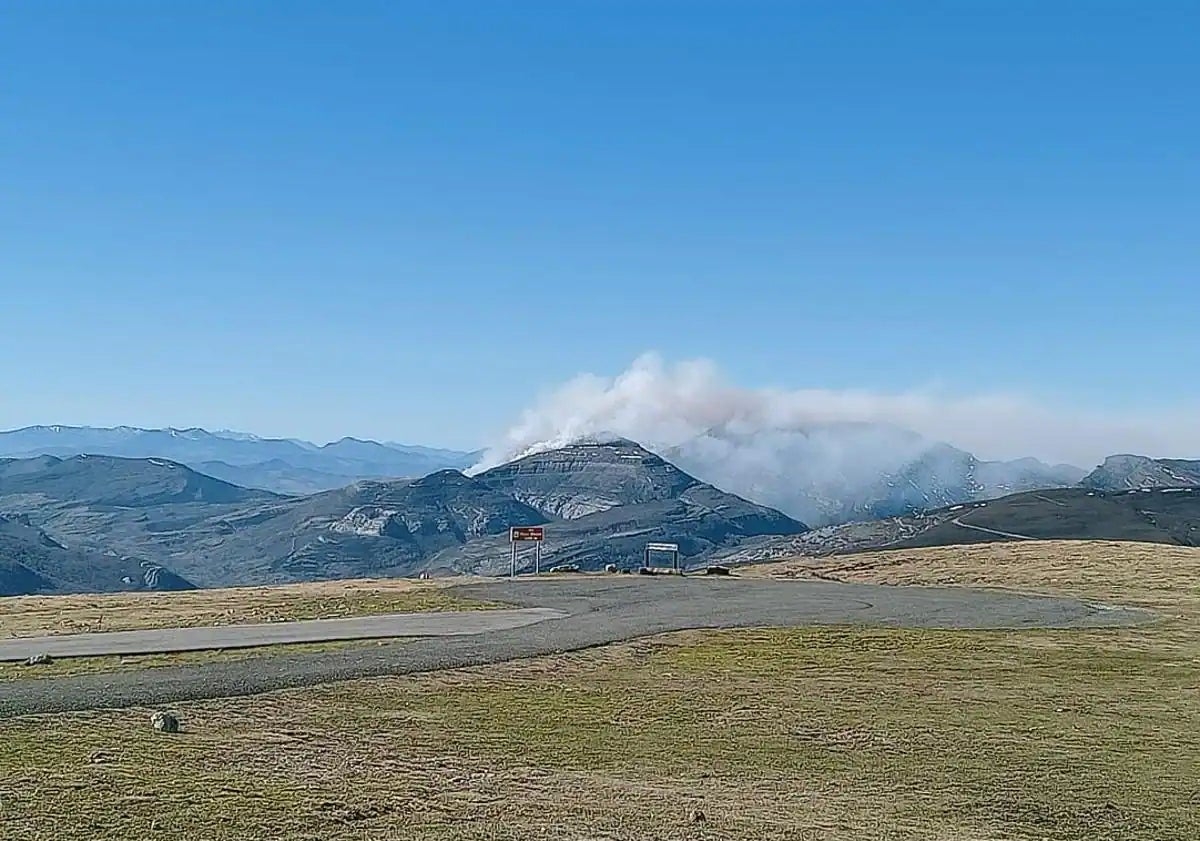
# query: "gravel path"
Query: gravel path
{"points": [[599, 610]]}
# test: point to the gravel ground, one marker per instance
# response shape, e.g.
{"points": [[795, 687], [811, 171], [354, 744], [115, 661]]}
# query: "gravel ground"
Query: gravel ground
{"points": [[600, 610]]}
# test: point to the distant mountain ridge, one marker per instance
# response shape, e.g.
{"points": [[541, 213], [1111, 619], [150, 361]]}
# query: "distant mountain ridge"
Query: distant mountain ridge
{"points": [[115, 482], [1132, 472], [283, 465], [824, 475]]}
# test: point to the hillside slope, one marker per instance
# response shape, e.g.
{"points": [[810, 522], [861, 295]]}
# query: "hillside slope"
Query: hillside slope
{"points": [[367, 529], [1129, 472], [32, 562], [1168, 516], [109, 482], [123, 507]]}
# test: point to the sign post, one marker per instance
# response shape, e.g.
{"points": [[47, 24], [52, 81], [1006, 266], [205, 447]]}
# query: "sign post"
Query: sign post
{"points": [[672, 548], [526, 534]]}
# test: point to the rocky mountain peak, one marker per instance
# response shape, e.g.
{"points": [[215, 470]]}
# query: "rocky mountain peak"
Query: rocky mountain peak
{"points": [[588, 477], [1126, 471]]}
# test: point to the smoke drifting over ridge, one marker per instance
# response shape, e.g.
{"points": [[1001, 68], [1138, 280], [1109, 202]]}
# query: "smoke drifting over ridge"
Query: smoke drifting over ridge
{"points": [[775, 446]]}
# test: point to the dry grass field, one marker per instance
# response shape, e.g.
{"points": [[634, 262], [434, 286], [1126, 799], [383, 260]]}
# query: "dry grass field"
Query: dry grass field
{"points": [[1166, 578], [69, 666], [830, 733], [25, 616]]}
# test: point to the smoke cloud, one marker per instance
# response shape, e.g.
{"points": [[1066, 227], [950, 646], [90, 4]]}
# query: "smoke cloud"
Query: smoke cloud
{"points": [[756, 442]]}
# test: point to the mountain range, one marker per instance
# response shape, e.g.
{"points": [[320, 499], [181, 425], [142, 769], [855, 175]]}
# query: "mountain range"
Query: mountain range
{"points": [[600, 503], [827, 474], [90, 522], [283, 465]]}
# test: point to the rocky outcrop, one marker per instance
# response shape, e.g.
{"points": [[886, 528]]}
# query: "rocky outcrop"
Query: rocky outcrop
{"points": [[588, 478], [1132, 472]]}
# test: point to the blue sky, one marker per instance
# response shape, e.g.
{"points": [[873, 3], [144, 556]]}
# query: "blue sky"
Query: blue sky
{"points": [[404, 220]]}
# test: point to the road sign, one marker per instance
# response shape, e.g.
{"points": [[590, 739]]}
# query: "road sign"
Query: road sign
{"points": [[670, 548], [524, 534]]}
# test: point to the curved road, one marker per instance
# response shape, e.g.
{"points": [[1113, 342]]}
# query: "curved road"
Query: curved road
{"points": [[587, 612]]}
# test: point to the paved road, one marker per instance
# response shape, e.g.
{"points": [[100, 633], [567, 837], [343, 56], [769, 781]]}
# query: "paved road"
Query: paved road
{"points": [[450, 623], [598, 610]]}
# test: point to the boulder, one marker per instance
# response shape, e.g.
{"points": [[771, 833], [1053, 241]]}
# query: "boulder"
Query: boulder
{"points": [[164, 722]]}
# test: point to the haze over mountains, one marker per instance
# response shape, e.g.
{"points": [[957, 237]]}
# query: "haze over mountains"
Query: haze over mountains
{"points": [[837, 473], [283, 465]]}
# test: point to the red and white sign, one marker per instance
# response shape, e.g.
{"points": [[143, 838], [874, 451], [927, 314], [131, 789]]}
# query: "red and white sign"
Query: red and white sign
{"points": [[534, 533]]}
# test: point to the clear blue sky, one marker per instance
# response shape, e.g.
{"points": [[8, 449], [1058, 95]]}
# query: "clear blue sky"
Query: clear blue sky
{"points": [[403, 219]]}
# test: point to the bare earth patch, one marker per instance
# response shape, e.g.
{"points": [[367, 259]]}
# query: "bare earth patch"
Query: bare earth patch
{"points": [[829, 733], [26, 616]]}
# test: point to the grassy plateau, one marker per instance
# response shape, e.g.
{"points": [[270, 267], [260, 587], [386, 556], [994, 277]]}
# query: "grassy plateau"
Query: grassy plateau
{"points": [[831, 733]]}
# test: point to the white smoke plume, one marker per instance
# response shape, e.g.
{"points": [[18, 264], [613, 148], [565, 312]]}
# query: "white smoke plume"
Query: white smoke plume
{"points": [[766, 443]]}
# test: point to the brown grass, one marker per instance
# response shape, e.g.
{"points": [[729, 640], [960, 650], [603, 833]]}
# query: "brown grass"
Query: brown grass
{"points": [[70, 666], [1166, 578], [827, 733], [26, 616]]}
